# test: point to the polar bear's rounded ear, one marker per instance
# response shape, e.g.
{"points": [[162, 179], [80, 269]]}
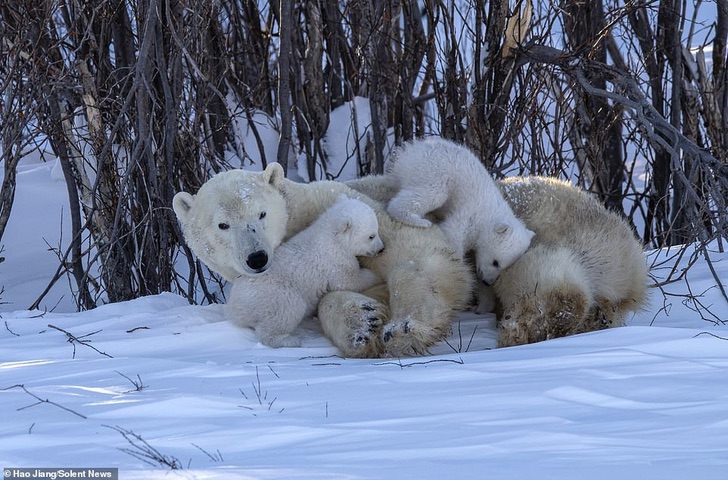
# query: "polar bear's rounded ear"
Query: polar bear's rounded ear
{"points": [[502, 228], [182, 204], [273, 173], [345, 224]]}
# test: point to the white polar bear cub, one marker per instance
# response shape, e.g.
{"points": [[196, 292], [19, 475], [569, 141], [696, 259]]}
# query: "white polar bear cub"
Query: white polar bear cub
{"points": [[436, 175], [319, 259]]}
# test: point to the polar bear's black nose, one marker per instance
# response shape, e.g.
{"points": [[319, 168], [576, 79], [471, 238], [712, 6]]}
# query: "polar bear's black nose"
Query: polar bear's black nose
{"points": [[257, 260]]}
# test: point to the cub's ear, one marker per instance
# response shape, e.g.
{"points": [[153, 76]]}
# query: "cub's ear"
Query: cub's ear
{"points": [[182, 204], [344, 225], [502, 228], [273, 174]]}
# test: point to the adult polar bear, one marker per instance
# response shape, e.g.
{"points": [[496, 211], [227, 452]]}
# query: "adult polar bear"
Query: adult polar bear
{"points": [[238, 218]]}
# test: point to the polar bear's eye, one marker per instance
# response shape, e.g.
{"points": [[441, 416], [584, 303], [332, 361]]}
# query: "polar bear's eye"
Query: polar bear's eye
{"points": [[371, 237], [496, 264], [223, 226], [262, 215]]}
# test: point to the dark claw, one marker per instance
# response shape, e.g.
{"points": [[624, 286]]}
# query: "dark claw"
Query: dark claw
{"points": [[367, 308], [373, 319], [362, 339], [406, 328], [387, 336]]}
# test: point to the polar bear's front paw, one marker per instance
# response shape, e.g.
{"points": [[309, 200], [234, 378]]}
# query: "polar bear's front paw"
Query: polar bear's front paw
{"points": [[368, 332], [395, 329], [364, 324], [353, 323], [407, 337]]}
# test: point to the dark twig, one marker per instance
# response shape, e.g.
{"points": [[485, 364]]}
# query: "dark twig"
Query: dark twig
{"points": [[256, 388], [138, 384], [472, 335], [711, 334], [73, 340], [243, 393], [8, 329], [273, 371], [427, 362], [137, 328], [316, 357], [217, 457], [141, 450], [40, 401], [718, 281]]}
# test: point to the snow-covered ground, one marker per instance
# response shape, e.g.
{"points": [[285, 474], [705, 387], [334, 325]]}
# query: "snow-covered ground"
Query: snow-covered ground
{"points": [[647, 401]]}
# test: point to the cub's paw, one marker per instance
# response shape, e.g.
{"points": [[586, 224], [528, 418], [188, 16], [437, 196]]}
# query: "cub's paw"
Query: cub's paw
{"points": [[278, 341], [415, 221], [485, 299], [408, 218]]}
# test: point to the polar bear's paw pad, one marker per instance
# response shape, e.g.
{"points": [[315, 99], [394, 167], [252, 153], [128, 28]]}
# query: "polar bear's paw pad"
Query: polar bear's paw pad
{"points": [[395, 329], [367, 333], [364, 321], [407, 337]]}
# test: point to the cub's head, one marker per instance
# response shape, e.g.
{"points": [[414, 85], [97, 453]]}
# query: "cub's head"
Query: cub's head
{"points": [[235, 220], [355, 224], [499, 246]]}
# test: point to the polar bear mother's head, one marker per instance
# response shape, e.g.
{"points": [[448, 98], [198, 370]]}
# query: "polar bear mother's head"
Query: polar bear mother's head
{"points": [[235, 220]]}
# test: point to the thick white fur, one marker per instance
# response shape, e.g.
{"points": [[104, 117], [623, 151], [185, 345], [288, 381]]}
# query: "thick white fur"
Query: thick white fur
{"points": [[319, 259], [437, 175], [585, 269], [425, 283]]}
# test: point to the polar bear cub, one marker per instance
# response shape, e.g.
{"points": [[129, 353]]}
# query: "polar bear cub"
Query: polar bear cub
{"points": [[439, 176], [319, 259]]}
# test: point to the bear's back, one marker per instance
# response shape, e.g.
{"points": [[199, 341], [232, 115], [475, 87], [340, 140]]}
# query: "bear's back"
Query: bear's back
{"points": [[565, 216]]}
